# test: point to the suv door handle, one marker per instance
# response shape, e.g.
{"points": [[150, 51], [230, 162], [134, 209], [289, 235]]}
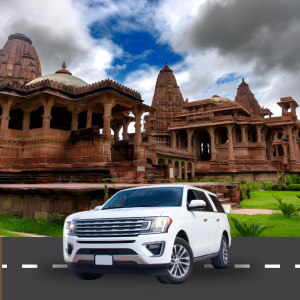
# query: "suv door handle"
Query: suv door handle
{"points": [[205, 220], [218, 220]]}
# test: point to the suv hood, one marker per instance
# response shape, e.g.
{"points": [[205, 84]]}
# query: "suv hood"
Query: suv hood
{"points": [[134, 212]]}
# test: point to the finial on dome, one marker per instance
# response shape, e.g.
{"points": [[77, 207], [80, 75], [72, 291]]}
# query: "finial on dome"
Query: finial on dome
{"points": [[243, 80], [63, 70], [166, 64]]}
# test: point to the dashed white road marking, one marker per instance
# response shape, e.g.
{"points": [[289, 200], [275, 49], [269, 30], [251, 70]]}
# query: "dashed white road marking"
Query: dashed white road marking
{"points": [[239, 266], [297, 266], [208, 266], [60, 266], [272, 266], [4, 266], [29, 266]]}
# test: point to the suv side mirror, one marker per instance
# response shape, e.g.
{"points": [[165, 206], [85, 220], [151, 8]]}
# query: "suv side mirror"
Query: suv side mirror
{"points": [[98, 207], [197, 204]]}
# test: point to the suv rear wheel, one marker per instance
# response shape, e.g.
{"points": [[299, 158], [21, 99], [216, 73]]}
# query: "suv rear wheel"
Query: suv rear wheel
{"points": [[221, 261], [182, 263]]}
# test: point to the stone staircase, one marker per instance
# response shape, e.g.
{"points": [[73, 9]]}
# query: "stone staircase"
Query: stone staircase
{"points": [[153, 175]]}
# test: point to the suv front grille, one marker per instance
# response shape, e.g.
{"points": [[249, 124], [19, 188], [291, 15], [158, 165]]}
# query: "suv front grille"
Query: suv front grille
{"points": [[110, 227], [107, 251]]}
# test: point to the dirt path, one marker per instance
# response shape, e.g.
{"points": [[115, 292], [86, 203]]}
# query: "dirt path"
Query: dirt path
{"points": [[27, 234], [248, 211]]}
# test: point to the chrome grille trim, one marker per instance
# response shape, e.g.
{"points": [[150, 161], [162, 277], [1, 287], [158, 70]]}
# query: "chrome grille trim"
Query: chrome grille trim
{"points": [[110, 227]]}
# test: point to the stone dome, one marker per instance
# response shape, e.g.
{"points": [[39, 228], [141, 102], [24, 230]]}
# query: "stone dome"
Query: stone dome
{"points": [[219, 100], [62, 76]]}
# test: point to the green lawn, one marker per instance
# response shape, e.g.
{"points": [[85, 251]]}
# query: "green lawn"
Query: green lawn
{"points": [[264, 200], [282, 226], [26, 225]]}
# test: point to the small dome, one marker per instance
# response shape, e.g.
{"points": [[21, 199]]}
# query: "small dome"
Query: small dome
{"points": [[62, 76], [219, 100]]}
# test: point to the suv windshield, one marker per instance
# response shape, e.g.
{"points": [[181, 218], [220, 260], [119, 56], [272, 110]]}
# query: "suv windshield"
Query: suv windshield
{"points": [[146, 197]]}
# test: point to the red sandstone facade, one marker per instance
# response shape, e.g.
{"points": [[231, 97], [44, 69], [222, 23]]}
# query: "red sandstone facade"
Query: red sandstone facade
{"points": [[220, 135], [58, 126]]}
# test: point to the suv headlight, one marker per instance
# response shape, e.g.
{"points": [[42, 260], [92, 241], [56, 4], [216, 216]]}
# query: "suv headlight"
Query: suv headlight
{"points": [[158, 225], [72, 228]]}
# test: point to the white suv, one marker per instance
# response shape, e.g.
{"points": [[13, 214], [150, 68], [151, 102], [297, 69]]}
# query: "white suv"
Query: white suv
{"points": [[156, 230]]}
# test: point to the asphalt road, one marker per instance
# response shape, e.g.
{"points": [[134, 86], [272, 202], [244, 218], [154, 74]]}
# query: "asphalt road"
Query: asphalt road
{"points": [[261, 268]]}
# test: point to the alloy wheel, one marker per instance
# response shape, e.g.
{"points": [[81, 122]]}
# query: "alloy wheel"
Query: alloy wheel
{"points": [[224, 251], [180, 261]]}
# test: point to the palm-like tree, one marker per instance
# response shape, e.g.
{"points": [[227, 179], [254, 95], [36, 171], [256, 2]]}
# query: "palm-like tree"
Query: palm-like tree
{"points": [[252, 230]]}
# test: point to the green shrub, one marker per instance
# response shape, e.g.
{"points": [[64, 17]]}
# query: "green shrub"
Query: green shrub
{"points": [[275, 187], [289, 180], [293, 187], [207, 180], [245, 190], [267, 186], [294, 178], [283, 187], [194, 180], [177, 179], [279, 180], [288, 209], [244, 230], [243, 181], [229, 179], [254, 186], [298, 180]]}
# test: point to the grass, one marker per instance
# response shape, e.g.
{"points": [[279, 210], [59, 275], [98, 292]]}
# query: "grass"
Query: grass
{"points": [[27, 225], [264, 200], [281, 226]]}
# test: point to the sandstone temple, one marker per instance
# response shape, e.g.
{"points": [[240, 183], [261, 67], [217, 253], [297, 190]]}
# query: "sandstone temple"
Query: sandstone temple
{"points": [[57, 128]]}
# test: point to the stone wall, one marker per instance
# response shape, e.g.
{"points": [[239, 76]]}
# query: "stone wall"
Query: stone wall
{"points": [[256, 177], [29, 202]]}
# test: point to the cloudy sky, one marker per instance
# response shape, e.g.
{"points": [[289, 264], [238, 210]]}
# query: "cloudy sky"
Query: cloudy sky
{"points": [[210, 44]]}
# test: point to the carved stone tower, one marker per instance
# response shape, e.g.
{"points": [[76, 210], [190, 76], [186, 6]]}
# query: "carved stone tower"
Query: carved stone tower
{"points": [[168, 102], [246, 98], [19, 60]]}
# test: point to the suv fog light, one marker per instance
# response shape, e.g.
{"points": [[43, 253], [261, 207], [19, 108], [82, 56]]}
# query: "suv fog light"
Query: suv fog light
{"points": [[70, 249], [156, 248]]}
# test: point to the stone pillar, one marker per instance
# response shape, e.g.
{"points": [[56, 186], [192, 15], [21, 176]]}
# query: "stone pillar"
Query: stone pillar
{"points": [[291, 146], [26, 119], [74, 124], [185, 170], [108, 105], [47, 116], [258, 129], [190, 133], [89, 117], [138, 148], [5, 116], [211, 131], [296, 148], [285, 154], [193, 169], [125, 124], [116, 129], [243, 129], [174, 146], [231, 161]]}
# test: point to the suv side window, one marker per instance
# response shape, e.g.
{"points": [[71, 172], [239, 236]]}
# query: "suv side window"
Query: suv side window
{"points": [[217, 203], [191, 196], [202, 196]]}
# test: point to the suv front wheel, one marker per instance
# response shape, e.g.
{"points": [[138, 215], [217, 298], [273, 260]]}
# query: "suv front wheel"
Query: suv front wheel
{"points": [[182, 263]]}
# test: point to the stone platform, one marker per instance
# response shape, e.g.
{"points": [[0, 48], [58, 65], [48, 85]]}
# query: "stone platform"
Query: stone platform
{"points": [[31, 200]]}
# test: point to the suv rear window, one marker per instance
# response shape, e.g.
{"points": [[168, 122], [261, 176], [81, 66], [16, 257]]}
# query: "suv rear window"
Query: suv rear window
{"points": [[217, 203]]}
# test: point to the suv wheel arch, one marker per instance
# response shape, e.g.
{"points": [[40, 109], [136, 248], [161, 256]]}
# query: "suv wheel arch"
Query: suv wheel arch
{"points": [[182, 234]]}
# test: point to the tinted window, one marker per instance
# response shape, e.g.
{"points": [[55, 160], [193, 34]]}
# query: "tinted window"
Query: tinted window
{"points": [[202, 196], [162, 196], [191, 196], [217, 203]]}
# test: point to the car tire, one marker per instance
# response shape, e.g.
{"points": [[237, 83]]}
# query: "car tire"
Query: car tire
{"points": [[182, 263], [221, 261], [87, 276]]}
